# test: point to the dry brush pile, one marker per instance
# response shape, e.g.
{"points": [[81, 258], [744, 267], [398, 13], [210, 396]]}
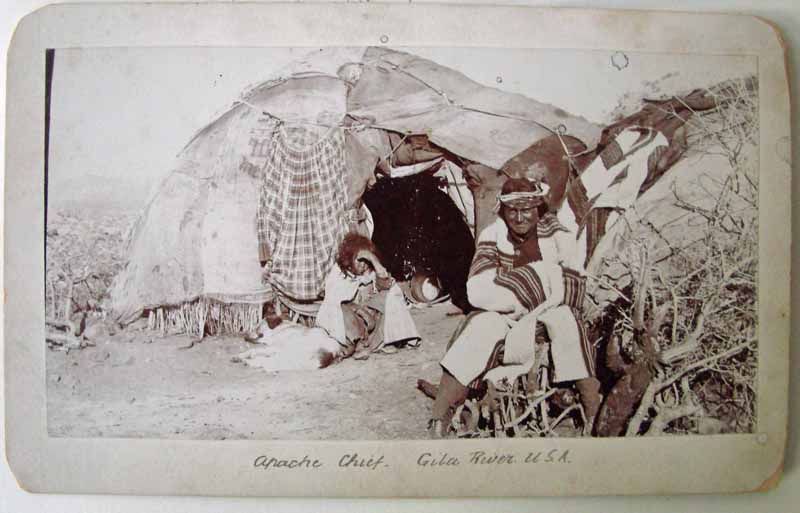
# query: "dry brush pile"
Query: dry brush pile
{"points": [[84, 251], [684, 345]]}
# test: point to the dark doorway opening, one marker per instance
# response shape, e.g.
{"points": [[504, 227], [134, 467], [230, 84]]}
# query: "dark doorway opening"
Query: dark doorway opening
{"points": [[419, 230]]}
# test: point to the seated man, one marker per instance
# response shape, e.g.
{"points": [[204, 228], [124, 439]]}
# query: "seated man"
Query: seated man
{"points": [[517, 280]]}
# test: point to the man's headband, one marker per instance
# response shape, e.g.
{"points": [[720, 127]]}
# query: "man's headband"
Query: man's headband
{"points": [[531, 198]]}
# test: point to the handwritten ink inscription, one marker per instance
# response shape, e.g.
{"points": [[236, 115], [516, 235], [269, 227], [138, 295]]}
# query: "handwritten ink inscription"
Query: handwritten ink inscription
{"points": [[266, 462], [357, 462], [554, 456], [350, 460]]}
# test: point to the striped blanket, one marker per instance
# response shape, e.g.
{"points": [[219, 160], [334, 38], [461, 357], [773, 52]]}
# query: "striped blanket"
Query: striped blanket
{"points": [[496, 253], [487, 255], [301, 216], [538, 297], [607, 188]]}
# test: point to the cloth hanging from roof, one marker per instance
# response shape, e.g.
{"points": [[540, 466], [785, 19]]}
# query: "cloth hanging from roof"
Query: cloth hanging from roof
{"points": [[606, 189], [301, 217]]}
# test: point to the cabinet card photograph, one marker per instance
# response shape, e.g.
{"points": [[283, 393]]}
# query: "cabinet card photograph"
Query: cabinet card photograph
{"points": [[463, 256]]}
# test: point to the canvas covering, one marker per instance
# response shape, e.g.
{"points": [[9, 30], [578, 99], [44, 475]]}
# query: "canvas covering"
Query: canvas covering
{"points": [[198, 236]]}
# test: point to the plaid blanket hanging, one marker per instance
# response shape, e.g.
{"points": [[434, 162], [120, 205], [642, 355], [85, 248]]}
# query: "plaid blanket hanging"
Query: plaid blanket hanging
{"points": [[301, 216]]}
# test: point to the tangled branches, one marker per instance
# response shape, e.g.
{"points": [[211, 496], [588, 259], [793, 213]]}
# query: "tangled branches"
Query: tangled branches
{"points": [[695, 280], [527, 406], [84, 253]]}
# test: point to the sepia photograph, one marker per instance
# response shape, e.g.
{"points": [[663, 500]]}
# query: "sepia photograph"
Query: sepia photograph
{"points": [[352, 251], [400, 243]]}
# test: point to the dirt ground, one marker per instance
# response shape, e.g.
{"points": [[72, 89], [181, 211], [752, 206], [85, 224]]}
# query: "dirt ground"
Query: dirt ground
{"points": [[140, 384]]}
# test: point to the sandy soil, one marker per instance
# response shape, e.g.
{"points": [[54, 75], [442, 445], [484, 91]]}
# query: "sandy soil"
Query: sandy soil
{"points": [[139, 384]]}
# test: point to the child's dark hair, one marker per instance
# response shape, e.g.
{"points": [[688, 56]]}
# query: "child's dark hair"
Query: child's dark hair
{"points": [[349, 248]]}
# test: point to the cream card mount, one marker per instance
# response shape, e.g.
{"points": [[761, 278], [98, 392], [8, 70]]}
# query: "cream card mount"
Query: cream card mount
{"points": [[578, 218]]}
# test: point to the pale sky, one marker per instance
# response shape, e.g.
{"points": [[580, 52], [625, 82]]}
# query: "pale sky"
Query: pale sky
{"points": [[119, 116]]}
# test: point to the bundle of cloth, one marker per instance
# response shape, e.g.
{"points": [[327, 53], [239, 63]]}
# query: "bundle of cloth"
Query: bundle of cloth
{"points": [[281, 345]]}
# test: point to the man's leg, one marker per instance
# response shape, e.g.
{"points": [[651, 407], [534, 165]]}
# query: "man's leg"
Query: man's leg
{"points": [[468, 356], [573, 357], [589, 390], [570, 352], [466, 359], [450, 395]]}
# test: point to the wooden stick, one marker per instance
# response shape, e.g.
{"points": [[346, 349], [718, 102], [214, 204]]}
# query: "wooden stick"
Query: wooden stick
{"points": [[68, 301], [499, 432], [706, 361], [531, 406], [564, 415], [62, 339], [52, 297], [57, 323], [635, 423]]}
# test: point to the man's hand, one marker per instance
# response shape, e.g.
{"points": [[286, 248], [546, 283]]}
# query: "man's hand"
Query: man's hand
{"points": [[517, 313], [384, 282]]}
